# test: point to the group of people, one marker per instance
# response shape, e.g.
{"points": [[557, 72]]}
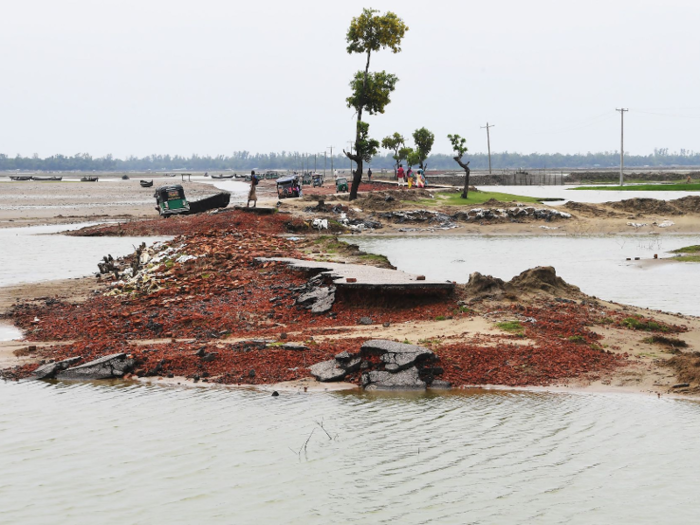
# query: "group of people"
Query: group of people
{"points": [[410, 177]]}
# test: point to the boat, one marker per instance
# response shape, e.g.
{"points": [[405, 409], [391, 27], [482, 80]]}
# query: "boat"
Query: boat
{"points": [[89, 178], [146, 183], [125, 177], [20, 177], [48, 178], [170, 174], [220, 200], [222, 176]]}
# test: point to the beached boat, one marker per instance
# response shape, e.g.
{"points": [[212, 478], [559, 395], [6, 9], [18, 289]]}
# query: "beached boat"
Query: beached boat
{"points": [[220, 200], [46, 178], [89, 178], [146, 183], [20, 177], [222, 176], [125, 177], [170, 174]]}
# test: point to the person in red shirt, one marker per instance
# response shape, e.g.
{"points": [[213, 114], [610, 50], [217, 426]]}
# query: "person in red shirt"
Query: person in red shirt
{"points": [[400, 175]]}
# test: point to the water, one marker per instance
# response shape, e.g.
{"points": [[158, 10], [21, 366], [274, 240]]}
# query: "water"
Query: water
{"points": [[31, 255], [91, 453], [590, 196], [597, 264]]}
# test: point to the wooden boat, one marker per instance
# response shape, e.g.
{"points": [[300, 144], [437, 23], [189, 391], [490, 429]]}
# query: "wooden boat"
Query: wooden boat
{"points": [[20, 177], [222, 176], [146, 183], [220, 200], [89, 178], [125, 177], [48, 178], [170, 174]]}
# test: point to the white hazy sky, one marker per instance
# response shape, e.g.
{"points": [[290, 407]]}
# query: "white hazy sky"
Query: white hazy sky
{"points": [[212, 77]]}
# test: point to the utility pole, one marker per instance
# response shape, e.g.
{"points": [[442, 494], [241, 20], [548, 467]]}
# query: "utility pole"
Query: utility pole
{"points": [[331, 148], [622, 142], [324, 163], [488, 141]]}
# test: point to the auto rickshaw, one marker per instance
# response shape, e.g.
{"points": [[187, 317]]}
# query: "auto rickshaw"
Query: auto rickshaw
{"points": [[306, 179], [341, 184], [171, 200], [317, 179], [288, 187]]}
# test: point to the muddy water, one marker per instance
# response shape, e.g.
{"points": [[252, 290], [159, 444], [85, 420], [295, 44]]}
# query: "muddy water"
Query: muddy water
{"points": [[32, 254], [597, 265], [592, 196], [133, 454], [123, 453]]}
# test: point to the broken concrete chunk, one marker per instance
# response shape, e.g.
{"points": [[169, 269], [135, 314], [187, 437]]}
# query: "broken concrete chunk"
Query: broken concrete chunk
{"points": [[107, 367], [328, 371], [403, 380], [49, 370], [318, 300], [398, 355]]}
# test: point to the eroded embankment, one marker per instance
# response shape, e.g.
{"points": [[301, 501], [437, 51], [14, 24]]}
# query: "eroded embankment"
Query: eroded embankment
{"points": [[203, 306]]}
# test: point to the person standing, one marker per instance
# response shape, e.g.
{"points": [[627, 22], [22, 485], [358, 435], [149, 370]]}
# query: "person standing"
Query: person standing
{"points": [[409, 177], [369, 175], [251, 194], [400, 175]]}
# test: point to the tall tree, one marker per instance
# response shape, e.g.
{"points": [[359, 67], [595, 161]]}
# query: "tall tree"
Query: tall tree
{"points": [[424, 140], [369, 33], [459, 146], [394, 142]]}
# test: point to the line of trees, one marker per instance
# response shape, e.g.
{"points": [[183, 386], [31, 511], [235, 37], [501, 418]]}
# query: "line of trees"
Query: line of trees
{"points": [[244, 160]]}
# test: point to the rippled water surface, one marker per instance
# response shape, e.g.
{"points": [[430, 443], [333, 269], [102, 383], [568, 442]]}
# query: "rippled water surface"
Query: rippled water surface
{"points": [[596, 264], [136, 454], [32, 254]]}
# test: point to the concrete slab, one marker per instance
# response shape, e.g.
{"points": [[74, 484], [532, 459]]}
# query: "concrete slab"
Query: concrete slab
{"points": [[362, 276]]}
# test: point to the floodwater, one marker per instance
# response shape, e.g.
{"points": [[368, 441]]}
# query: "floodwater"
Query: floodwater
{"points": [[89, 453], [124, 453], [31, 254], [591, 196], [596, 264]]}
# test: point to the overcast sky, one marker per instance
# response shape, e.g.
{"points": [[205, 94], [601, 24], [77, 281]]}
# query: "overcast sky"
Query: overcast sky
{"points": [[212, 77]]}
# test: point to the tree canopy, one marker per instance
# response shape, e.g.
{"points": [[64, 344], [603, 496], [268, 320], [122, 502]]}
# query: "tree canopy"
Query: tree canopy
{"points": [[424, 140], [369, 32]]}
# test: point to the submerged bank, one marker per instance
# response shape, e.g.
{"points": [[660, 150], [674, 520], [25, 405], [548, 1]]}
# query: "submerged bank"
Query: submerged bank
{"points": [[204, 307]]}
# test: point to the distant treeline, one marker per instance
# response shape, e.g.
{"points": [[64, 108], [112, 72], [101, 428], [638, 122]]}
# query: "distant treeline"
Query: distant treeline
{"points": [[243, 160]]}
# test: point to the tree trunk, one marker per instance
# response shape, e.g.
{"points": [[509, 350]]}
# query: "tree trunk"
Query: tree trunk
{"points": [[357, 174], [467, 171]]}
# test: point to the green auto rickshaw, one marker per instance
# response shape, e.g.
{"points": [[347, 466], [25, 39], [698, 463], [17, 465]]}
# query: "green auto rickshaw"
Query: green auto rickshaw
{"points": [[341, 184], [171, 200], [318, 179], [306, 179]]}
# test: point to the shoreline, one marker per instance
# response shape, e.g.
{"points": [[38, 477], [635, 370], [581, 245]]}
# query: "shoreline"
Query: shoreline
{"points": [[642, 374]]}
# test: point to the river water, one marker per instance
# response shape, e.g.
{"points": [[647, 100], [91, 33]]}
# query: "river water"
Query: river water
{"points": [[596, 264], [91, 453], [126, 453]]}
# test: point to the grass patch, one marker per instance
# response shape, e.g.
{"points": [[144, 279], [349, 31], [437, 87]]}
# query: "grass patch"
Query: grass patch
{"points": [[665, 341], [577, 339], [688, 249], [510, 326], [440, 318], [475, 197], [373, 257], [644, 187], [687, 258], [635, 323]]}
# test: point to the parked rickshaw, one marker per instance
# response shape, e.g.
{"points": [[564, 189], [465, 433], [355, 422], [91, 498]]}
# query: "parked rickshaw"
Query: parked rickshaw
{"points": [[317, 179], [306, 179], [288, 187], [341, 184], [171, 200]]}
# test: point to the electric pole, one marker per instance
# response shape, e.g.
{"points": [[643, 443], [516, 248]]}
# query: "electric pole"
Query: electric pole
{"points": [[622, 142], [488, 141], [331, 148]]}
